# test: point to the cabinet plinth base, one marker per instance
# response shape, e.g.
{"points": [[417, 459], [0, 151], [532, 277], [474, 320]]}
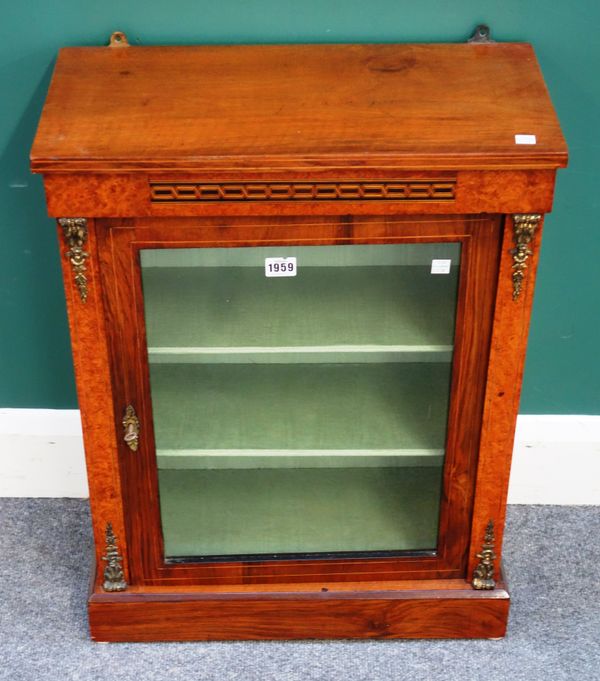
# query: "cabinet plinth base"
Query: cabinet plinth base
{"points": [[362, 612]]}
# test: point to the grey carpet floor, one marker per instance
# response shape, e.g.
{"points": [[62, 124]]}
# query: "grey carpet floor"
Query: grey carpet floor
{"points": [[552, 557]]}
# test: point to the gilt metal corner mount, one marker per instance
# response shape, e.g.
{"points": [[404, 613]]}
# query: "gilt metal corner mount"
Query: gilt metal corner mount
{"points": [[524, 226], [114, 579], [75, 233], [483, 575]]}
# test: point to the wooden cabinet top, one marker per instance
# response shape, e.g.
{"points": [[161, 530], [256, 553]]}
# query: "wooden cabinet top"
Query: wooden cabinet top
{"points": [[154, 109]]}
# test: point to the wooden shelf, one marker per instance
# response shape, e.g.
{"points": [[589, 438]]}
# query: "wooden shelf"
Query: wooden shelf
{"points": [[287, 511], [319, 354], [325, 314], [219, 459], [362, 407]]}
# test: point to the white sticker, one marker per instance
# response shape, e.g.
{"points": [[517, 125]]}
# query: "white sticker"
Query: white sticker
{"points": [[280, 267], [525, 139], [440, 266]]}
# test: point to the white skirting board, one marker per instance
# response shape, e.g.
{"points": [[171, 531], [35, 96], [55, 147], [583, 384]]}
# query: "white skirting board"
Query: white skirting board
{"points": [[556, 458]]}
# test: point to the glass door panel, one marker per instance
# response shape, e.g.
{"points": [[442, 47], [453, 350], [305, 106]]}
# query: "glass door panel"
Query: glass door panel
{"points": [[303, 412]]}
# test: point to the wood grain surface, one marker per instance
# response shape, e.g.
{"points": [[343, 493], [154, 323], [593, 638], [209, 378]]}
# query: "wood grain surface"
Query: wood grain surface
{"points": [[503, 391], [129, 195], [361, 612], [360, 106], [89, 336]]}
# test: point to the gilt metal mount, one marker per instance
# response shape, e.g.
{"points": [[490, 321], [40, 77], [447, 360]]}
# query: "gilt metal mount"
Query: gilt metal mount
{"points": [[118, 39], [524, 231], [75, 233], [483, 575], [131, 426], [114, 579], [481, 35]]}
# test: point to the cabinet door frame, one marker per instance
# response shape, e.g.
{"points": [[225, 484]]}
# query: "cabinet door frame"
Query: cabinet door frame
{"points": [[120, 241]]}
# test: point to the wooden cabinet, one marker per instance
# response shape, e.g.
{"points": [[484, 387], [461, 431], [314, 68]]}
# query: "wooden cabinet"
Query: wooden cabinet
{"points": [[299, 281]]}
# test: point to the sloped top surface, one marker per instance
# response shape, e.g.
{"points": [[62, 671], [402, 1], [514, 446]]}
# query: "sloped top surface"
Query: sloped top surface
{"points": [[297, 106]]}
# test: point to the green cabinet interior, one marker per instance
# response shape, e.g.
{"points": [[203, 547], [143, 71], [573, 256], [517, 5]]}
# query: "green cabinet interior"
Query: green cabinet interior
{"points": [[302, 414]]}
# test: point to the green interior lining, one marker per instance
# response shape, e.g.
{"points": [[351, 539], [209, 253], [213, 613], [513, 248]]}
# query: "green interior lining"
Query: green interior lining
{"points": [[306, 510], [300, 406], [340, 255], [321, 306], [302, 414]]}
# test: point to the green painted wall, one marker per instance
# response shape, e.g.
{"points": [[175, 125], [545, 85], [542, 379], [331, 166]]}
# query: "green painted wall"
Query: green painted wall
{"points": [[563, 370]]}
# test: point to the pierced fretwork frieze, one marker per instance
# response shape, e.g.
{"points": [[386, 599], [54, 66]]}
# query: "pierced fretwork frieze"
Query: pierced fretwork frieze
{"points": [[402, 190]]}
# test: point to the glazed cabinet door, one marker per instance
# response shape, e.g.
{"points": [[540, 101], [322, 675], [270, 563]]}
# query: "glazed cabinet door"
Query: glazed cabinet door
{"points": [[300, 399]]}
